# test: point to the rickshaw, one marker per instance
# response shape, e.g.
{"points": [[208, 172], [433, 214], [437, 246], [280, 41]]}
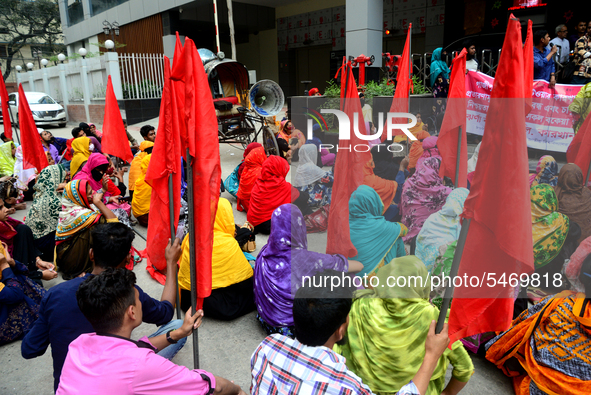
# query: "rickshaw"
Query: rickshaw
{"points": [[241, 112]]}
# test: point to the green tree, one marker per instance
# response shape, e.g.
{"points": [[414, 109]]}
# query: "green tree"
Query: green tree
{"points": [[25, 22]]}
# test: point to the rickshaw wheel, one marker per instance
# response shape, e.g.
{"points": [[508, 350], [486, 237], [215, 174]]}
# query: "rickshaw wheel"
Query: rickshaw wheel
{"points": [[270, 142]]}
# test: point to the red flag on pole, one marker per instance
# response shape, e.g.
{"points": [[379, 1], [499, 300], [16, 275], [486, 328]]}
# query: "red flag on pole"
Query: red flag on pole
{"points": [[583, 152], [528, 62], [33, 154], [166, 160], [454, 119], [5, 113], [492, 247], [348, 173], [202, 134], [179, 91], [403, 85], [178, 49], [115, 140]]}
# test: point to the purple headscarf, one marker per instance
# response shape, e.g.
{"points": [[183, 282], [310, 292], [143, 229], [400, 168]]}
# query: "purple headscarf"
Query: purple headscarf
{"points": [[282, 263], [84, 173], [422, 195]]}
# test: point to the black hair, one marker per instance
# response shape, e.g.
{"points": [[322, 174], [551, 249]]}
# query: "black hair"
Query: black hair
{"points": [[8, 190], [538, 35], [111, 244], [124, 121], [585, 275], [283, 147], [76, 132], [103, 299], [145, 130], [4, 138], [320, 309], [149, 150], [84, 126]]}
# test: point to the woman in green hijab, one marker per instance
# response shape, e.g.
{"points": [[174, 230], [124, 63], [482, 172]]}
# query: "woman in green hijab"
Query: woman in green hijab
{"points": [[387, 329], [7, 158]]}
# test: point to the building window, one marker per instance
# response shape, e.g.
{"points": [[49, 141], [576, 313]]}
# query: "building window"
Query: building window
{"points": [[99, 6], [75, 12]]}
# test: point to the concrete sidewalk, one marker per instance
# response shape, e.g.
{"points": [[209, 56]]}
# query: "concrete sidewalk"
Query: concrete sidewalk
{"points": [[225, 348]]}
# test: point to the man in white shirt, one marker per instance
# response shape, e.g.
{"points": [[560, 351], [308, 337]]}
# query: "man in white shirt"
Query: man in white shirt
{"points": [[562, 43]]}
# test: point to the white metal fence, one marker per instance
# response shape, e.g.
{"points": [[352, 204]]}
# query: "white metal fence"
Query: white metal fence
{"points": [[142, 75]]}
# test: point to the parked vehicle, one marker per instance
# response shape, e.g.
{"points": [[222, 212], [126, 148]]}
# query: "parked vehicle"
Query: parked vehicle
{"points": [[45, 109]]}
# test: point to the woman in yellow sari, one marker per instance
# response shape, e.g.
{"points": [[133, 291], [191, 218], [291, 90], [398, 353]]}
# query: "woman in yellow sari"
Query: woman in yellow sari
{"points": [[82, 151], [387, 329], [140, 204], [232, 292], [135, 170]]}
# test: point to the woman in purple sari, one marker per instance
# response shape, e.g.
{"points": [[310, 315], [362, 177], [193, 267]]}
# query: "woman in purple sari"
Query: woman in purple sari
{"points": [[281, 265]]}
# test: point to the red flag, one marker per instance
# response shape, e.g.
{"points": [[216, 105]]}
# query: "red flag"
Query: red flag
{"points": [[33, 154], [528, 62], [583, 151], [453, 120], [115, 140], [202, 134], [179, 91], [166, 161], [403, 85], [178, 49], [5, 113], [500, 235], [573, 148], [348, 173]]}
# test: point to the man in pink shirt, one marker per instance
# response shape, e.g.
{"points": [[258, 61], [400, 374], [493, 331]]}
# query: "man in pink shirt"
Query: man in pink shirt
{"points": [[109, 362]]}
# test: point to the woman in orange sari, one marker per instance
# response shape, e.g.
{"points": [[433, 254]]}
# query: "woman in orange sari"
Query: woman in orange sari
{"points": [[253, 164], [546, 350], [288, 132]]}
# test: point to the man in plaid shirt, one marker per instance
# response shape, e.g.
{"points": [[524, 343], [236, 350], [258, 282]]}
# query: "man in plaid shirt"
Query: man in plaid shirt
{"points": [[307, 365]]}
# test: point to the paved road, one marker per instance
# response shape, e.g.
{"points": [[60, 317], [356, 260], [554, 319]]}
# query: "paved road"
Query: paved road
{"points": [[225, 347]]}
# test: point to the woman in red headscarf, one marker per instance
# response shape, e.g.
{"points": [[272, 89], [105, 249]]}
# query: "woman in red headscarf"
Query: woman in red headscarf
{"points": [[269, 192], [251, 171]]}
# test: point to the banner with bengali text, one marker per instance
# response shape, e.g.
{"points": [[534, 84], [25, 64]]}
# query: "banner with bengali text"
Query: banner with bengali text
{"points": [[549, 124]]}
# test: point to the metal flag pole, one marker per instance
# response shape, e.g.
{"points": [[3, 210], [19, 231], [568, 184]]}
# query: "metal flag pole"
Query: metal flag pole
{"points": [[14, 124], [217, 28], [179, 313], [139, 234], [459, 151], [455, 266], [192, 255]]}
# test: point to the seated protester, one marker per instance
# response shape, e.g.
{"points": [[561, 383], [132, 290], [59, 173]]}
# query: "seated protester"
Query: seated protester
{"points": [[385, 188], [391, 166], [572, 266], [20, 245], [88, 131], [285, 148], [288, 131], [61, 321], [4, 138], [82, 209], [95, 132], [132, 141], [25, 178], [7, 158], [326, 158], [308, 365], [377, 241], [546, 350], [430, 149], [422, 195], [135, 168], [232, 182], [474, 159], [574, 199], [148, 132], [312, 179], [95, 172], [546, 172], [282, 263], [140, 204], [251, 171], [269, 192], [416, 149], [386, 329], [249, 148], [10, 194], [99, 363], [441, 228], [46, 143], [231, 274], [82, 150], [19, 299], [44, 212]]}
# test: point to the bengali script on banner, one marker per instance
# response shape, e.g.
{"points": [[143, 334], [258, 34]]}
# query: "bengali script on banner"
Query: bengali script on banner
{"points": [[549, 124]]}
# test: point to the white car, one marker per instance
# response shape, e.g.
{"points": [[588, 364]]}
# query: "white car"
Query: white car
{"points": [[45, 110]]}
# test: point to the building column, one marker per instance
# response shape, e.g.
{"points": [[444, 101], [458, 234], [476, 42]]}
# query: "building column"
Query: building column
{"points": [[85, 88], [64, 88], [112, 66], [364, 33]]}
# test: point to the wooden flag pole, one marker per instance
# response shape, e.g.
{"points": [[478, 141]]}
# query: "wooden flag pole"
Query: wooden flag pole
{"points": [[179, 313], [192, 255], [458, 152], [455, 266]]}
